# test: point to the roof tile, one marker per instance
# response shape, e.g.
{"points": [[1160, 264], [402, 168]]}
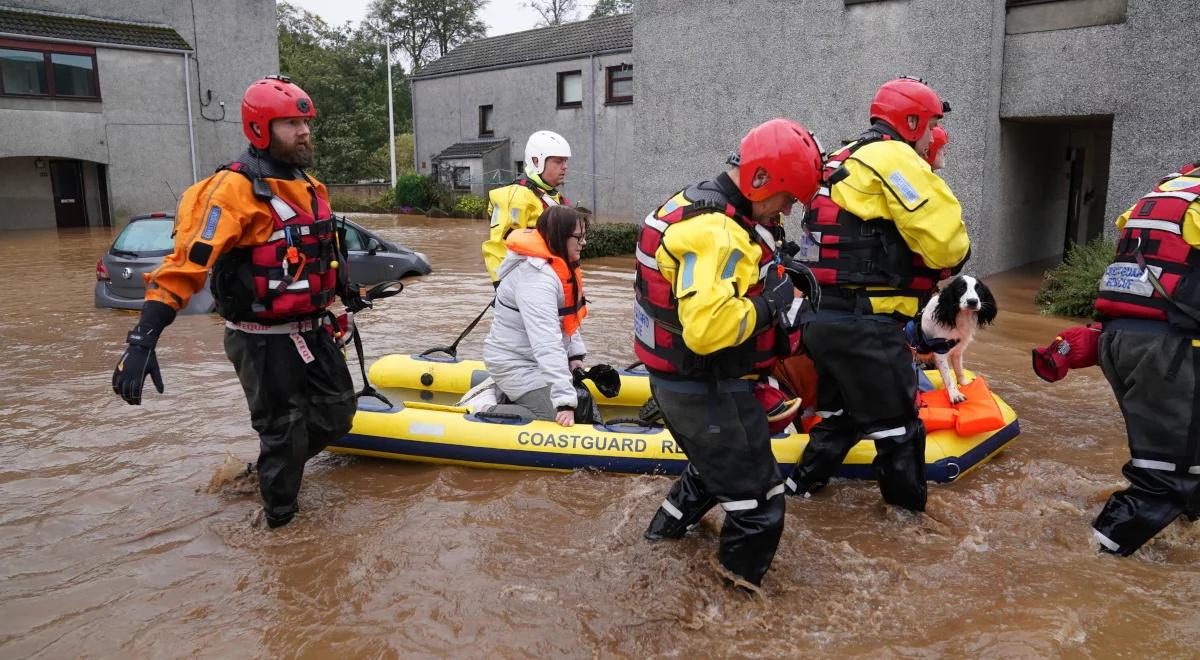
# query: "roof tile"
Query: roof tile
{"points": [[71, 27], [556, 42]]}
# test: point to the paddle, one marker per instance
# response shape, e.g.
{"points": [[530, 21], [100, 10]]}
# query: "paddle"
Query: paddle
{"points": [[452, 349]]}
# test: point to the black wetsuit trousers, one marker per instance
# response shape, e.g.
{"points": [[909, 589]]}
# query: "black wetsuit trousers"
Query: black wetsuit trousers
{"points": [[1154, 379], [867, 388], [296, 408], [722, 428]]}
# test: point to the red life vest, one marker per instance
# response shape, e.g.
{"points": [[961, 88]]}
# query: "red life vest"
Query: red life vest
{"points": [[292, 275], [658, 333], [843, 249], [1153, 237], [530, 243]]}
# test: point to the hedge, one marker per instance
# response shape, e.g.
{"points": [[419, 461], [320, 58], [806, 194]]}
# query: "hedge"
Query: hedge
{"points": [[1070, 288]]}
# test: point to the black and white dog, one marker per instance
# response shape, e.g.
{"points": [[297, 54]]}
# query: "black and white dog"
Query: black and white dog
{"points": [[947, 324]]}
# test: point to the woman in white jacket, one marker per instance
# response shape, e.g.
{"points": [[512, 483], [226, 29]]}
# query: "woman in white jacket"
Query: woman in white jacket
{"points": [[534, 344]]}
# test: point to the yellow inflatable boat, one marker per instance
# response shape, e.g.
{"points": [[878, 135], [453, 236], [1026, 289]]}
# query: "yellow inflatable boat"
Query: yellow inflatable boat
{"points": [[433, 433]]}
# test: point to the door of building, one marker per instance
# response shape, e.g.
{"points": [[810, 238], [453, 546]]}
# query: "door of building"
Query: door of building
{"points": [[66, 180]]}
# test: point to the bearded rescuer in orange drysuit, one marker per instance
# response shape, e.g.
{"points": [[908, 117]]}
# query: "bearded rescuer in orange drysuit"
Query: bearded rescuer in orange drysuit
{"points": [[265, 229]]}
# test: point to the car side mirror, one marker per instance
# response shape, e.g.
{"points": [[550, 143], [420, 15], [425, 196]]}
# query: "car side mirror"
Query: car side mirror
{"points": [[373, 246]]}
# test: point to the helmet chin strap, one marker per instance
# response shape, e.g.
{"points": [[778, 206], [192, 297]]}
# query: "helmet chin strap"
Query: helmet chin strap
{"points": [[536, 178]]}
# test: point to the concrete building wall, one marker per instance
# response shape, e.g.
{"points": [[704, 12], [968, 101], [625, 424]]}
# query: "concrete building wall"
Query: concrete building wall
{"points": [[820, 61], [140, 128], [524, 100], [1134, 71], [24, 194]]}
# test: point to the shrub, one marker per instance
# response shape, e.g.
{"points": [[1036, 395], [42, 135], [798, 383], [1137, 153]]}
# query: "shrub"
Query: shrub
{"points": [[473, 206], [1070, 288], [410, 190], [437, 194], [610, 239]]}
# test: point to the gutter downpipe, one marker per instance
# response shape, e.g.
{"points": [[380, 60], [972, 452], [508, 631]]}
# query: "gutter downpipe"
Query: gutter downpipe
{"points": [[187, 94], [595, 178]]}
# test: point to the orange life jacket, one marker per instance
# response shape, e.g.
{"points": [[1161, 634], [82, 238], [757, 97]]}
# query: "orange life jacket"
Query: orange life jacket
{"points": [[529, 242]]}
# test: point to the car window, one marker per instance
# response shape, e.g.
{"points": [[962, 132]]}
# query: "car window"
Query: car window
{"points": [[146, 236], [355, 239]]}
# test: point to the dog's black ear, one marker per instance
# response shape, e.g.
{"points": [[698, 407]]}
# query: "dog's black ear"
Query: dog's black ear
{"points": [[987, 304], [946, 312]]}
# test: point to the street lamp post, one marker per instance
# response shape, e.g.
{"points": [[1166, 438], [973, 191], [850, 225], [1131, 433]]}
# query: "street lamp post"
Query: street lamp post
{"points": [[391, 127]]}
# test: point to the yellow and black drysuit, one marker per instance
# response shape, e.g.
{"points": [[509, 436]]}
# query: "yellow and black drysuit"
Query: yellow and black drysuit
{"points": [[515, 206], [1150, 353], [881, 232], [266, 231], [713, 308]]}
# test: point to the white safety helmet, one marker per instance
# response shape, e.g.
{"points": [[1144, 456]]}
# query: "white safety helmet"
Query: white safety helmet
{"points": [[542, 145]]}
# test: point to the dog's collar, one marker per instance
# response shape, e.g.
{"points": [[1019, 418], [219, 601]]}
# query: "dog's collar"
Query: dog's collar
{"points": [[922, 343]]}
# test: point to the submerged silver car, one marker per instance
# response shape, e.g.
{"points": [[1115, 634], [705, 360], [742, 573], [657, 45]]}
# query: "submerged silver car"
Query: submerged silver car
{"points": [[146, 240]]}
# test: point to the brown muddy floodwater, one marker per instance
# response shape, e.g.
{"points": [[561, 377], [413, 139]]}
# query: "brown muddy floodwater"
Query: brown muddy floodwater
{"points": [[111, 548]]}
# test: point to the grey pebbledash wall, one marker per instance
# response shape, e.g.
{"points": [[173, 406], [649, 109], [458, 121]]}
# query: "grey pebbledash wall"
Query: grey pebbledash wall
{"points": [[708, 71]]}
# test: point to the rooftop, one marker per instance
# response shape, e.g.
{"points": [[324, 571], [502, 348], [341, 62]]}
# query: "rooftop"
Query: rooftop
{"points": [[71, 27], [472, 149], [557, 42]]}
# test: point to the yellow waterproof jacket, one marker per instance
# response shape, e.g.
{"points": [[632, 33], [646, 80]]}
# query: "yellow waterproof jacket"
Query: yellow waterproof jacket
{"points": [[712, 262], [515, 206], [241, 221], [886, 181]]}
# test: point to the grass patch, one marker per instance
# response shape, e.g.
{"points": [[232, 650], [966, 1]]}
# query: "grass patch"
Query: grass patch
{"points": [[1070, 288], [610, 239]]}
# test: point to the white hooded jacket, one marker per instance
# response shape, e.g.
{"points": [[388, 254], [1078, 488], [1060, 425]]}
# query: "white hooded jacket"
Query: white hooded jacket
{"points": [[525, 349]]}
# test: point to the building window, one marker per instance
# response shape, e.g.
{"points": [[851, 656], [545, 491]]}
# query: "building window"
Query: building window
{"points": [[619, 88], [518, 167], [570, 89], [485, 121], [460, 178], [58, 71]]}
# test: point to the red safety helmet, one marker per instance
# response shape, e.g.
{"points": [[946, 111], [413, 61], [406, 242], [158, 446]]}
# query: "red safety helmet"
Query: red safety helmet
{"points": [[273, 97], [939, 140], [904, 97], [788, 153]]}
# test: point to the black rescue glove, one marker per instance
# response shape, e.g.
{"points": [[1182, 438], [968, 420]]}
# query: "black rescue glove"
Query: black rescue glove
{"points": [[804, 280], [790, 248], [606, 379], [129, 377], [352, 298], [776, 298]]}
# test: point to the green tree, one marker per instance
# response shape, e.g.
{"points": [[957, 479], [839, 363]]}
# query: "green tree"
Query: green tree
{"points": [[427, 29], [611, 8], [554, 12], [344, 71]]}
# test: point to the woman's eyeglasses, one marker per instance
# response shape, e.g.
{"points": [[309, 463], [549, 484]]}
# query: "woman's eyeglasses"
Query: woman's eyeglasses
{"points": [[582, 238]]}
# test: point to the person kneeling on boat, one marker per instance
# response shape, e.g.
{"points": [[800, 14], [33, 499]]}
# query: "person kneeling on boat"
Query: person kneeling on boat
{"points": [[715, 304], [535, 344]]}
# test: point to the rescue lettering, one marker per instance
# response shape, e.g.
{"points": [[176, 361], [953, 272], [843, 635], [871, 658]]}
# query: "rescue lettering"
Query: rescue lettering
{"points": [[578, 442], [669, 447]]}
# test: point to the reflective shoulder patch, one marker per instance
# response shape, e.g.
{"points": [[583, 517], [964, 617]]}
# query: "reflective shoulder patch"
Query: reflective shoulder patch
{"points": [[903, 187], [688, 274], [1181, 183], [731, 264], [495, 216], [210, 224]]}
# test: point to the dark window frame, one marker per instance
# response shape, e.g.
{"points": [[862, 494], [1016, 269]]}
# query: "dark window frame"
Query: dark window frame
{"points": [[486, 113], [559, 96], [609, 99], [48, 49], [455, 184]]}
